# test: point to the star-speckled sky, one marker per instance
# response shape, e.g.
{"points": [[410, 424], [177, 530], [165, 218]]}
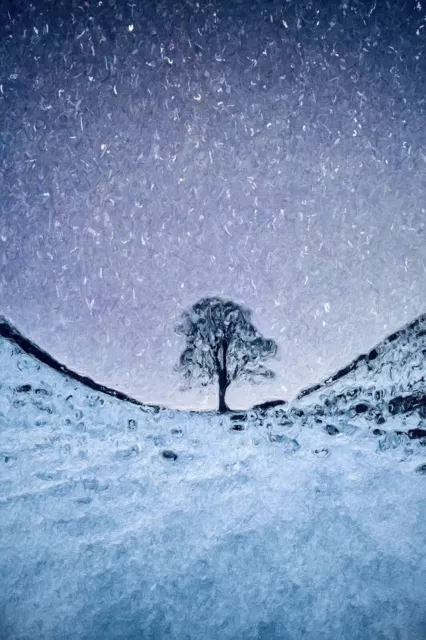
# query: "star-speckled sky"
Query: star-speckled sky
{"points": [[153, 153]]}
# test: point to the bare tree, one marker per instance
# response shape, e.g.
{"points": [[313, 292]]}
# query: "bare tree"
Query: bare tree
{"points": [[222, 345]]}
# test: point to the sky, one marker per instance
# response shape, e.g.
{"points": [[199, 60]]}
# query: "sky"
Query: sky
{"points": [[151, 154]]}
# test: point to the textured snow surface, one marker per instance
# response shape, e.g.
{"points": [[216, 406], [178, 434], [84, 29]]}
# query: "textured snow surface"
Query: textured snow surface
{"points": [[128, 522], [395, 365]]}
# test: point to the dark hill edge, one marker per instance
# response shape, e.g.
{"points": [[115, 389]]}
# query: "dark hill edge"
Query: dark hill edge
{"points": [[8, 331], [368, 357]]}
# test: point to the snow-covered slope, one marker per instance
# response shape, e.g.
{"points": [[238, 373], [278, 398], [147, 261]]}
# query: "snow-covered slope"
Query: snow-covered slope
{"points": [[24, 345], [394, 366], [388, 381], [120, 520]]}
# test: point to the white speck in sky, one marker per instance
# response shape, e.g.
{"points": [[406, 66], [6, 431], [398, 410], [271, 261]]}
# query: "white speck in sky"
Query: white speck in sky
{"points": [[276, 166]]}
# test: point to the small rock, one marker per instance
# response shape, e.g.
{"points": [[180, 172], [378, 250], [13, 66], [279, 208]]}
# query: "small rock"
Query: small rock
{"points": [[24, 388], [239, 416], [237, 427], [131, 424], [285, 422], [361, 407], [331, 430], [351, 393], [322, 453], [168, 454], [378, 432], [176, 432], [416, 434], [404, 404], [421, 469], [270, 404], [42, 407]]}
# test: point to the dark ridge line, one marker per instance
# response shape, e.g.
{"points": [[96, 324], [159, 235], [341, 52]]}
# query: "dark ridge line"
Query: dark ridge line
{"points": [[8, 331], [371, 355]]}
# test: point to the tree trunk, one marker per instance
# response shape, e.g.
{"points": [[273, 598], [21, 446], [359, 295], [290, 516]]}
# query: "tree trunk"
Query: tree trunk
{"points": [[223, 407], [223, 380]]}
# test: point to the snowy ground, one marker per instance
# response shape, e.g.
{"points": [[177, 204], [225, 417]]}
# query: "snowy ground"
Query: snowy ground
{"points": [[270, 532]]}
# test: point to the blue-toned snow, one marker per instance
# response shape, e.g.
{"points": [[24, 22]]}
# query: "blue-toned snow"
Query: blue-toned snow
{"points": [[272, 532]]}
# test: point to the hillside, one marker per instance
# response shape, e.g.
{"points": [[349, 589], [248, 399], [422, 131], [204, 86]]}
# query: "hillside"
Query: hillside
{"points": [[395, 368], [26, 346], [120, 520]]}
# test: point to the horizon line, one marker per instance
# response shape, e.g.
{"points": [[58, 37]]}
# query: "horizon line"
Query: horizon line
{"points": [[11, 333]]}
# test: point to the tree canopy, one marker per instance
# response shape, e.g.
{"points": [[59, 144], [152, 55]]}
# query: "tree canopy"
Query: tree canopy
{"points": [[222, 345]]}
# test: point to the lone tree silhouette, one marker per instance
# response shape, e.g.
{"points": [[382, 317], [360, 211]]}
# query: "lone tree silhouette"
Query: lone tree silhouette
{"points": [[222, 345]]}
